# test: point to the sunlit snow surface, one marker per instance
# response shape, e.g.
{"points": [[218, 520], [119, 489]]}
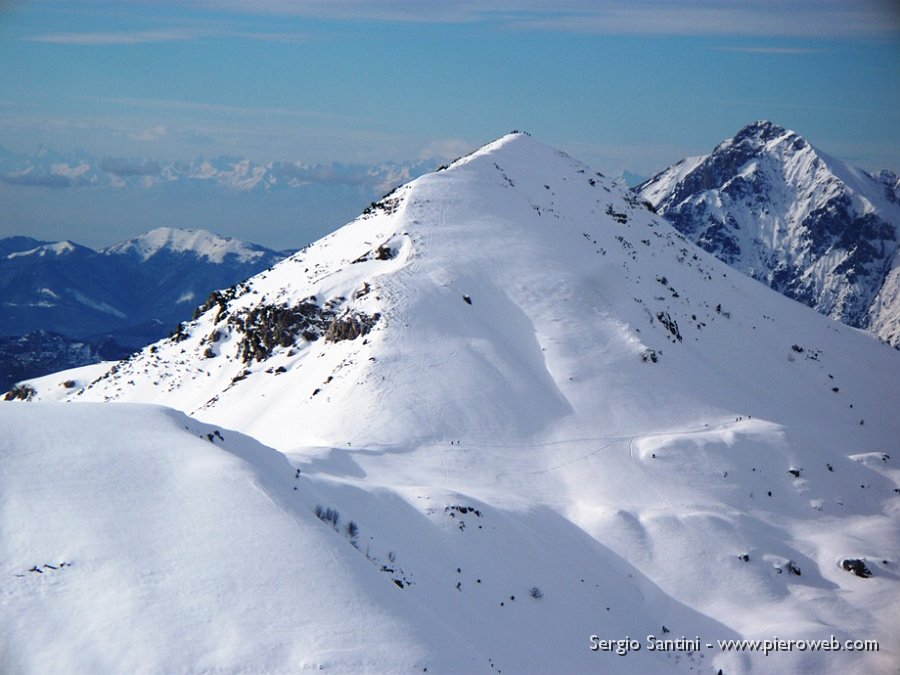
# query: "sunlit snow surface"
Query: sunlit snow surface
{"points": [[201, 243], [559, 393]]}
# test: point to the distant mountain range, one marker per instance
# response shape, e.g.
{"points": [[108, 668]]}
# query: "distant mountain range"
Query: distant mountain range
{"points": [[41, 352], [290, 203], [48, 168], [810, 226], [88, 304]]}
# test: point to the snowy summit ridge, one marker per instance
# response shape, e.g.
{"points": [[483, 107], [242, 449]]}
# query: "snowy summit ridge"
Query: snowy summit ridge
{"points": [[200, 243], [513, 408]]}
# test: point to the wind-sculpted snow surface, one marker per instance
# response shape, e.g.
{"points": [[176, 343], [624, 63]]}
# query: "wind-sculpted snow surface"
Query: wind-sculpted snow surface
{"points": [[157, 544], [547, 417]]}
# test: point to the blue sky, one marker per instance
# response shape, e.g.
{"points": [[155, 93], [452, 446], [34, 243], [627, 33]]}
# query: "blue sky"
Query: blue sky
{"points": [[620, 84]]}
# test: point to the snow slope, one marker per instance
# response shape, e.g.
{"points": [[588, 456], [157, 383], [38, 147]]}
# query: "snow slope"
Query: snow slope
{"points": [[806, 224], [153, 549], [512, 375]]}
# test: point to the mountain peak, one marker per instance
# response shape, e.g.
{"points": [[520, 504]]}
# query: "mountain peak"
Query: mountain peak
{"points": [[757, 137], [810, 226], [763, 129], [513, 138], [202, 243], [516, 146], [57, 248], [17, 244]]}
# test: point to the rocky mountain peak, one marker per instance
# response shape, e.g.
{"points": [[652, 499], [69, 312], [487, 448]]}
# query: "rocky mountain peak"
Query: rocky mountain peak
{"points": [[761, 131], [806, 224]]}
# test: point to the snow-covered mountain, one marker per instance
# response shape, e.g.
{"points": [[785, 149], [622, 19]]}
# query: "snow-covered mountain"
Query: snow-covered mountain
{"points": [[135, 291], [65, 305], [504, 418], [201, 244], [294, 202], [810, 226]]}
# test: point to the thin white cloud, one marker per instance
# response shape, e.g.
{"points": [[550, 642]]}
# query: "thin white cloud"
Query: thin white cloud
{"points": [[111, 38], [115, 37], [788, 18], [769, 50], [768, 18], [809, 18]]}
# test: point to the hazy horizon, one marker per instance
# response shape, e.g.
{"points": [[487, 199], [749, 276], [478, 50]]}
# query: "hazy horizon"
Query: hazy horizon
{"points": [[621, 86]]}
